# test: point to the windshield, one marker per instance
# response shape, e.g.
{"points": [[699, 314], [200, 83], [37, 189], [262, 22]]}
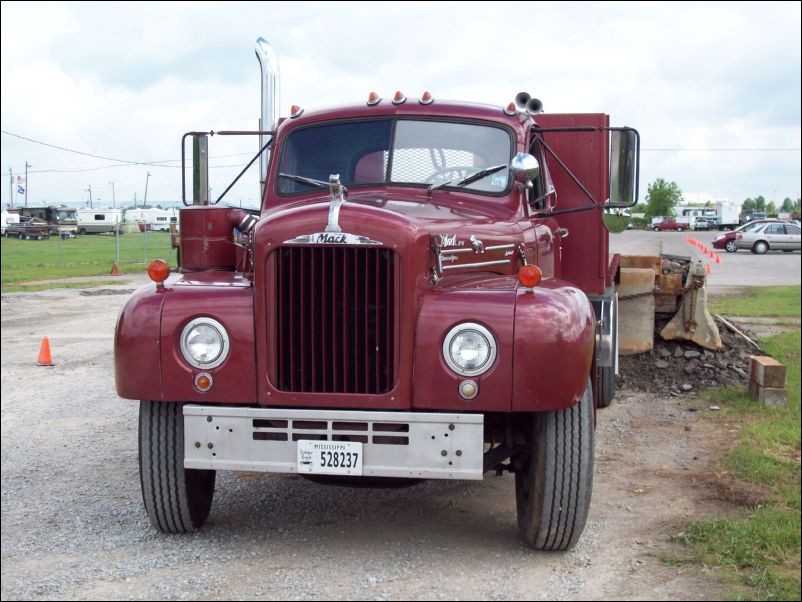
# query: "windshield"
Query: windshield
{"points": [[428, 153], [64, 216]]}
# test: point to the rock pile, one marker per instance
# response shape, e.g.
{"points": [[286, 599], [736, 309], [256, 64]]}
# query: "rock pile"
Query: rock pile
{"points": [[676, 367]]}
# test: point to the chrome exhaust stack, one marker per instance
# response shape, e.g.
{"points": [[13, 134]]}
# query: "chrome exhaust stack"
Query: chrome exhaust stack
{"points": [[268, 63]]}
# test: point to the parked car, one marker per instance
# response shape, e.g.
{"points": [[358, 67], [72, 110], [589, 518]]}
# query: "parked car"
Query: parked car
{"points": [[669, 224], [702, 224], [726, 240], [763, 236]]}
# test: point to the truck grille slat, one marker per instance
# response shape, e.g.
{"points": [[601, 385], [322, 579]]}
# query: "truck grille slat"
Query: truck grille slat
{"points": [[336, 319]]}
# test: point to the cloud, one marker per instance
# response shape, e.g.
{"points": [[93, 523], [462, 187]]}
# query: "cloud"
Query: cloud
{"points": [[127, 80]]}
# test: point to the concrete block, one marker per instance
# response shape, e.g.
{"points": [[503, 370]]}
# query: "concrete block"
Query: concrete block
{"points": [[669, 284], [636, 311], [771, 397], [666, 304], [642, 261], [767, 371]]}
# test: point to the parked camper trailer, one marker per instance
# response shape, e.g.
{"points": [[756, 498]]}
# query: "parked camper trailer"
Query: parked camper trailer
{"points": [[152, 219], [97, 221]]}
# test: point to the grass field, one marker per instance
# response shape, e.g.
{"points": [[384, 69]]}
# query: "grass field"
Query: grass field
{"points": [[90, 255], [760, 548]]}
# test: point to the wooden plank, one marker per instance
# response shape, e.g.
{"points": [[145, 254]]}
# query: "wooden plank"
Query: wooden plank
{"points": [[642, 261]]}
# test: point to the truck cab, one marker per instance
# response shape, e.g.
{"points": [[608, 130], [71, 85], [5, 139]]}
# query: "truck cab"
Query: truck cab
{"points": [[426, 292]]}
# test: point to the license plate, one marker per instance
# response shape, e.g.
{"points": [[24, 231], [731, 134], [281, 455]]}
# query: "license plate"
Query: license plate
{"points": [[330, 457]]}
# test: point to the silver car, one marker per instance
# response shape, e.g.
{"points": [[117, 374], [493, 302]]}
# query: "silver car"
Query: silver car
{"points": [[764, 236]]}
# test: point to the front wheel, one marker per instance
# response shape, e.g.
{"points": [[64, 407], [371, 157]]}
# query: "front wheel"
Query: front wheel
{"points": [[656, 229], [177, 499], [760, 247], [731, 247], [554, 477], [680, 228]]}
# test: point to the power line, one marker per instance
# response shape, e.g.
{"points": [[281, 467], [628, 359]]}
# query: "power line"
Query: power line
{"points": [[120, 162]]}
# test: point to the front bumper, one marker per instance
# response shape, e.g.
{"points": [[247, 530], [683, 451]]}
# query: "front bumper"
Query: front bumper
{"points": [[395, 444]]}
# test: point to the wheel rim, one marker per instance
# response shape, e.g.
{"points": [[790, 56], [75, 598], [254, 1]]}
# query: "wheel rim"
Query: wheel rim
{"points": [[730, 246]]}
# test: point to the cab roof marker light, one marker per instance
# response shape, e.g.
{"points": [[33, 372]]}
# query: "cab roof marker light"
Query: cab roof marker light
{"points": [[373, 99], [511, 109], [295, 111], [399, 98], [426, 98]]}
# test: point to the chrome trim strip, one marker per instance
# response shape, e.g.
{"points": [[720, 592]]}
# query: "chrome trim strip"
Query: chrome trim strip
{"points": [[476, 265]]}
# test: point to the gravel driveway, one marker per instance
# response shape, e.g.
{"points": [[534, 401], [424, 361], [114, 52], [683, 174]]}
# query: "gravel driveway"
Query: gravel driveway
{"points": [[73, 524]]}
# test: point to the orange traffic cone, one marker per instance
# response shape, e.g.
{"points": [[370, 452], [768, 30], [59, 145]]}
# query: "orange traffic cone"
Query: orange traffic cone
{"points": [[712, 255], [718, 259], [44, 354], [115, 270], [708, 269]]}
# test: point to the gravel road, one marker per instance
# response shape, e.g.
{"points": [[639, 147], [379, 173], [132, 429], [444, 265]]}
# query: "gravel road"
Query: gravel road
{"points": [[73, 524]]}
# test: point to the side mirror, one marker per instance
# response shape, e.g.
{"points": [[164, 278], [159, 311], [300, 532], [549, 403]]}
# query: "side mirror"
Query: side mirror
{"points": [[623, 167], [524, 168]]}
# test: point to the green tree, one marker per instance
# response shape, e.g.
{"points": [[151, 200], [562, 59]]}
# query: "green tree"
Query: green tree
{"points": [[788, 205], [640, 208], [771, 208], [661, 199], [760, 203]]}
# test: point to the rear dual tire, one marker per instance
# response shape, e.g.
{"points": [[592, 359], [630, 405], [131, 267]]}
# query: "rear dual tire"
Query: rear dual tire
{"points": [[554, 479], [177, 499]]}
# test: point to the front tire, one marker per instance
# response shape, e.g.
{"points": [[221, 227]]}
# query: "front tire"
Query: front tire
{"points": [[760, 247], [177, 499], [553, 482], [730, 246]]}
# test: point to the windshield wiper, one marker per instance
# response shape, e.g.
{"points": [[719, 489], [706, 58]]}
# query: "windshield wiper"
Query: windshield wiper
{"points": [[307, 181], [483, 173]]}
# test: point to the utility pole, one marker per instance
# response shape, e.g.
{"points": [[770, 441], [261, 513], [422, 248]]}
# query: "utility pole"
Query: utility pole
{"points": [[27, 165], [10, 189], [134, 200], [89, 190], [113, 199], [145, 202]]}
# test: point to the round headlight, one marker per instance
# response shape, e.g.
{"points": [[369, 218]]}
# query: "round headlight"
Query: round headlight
{"points": [[204, 343], [469, 349]]}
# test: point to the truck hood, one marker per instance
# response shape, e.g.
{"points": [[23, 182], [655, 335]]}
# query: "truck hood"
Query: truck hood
{"points": [[406, 216]]}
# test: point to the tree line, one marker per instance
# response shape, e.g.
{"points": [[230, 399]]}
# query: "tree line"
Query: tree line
{"points": [[663, 196]]}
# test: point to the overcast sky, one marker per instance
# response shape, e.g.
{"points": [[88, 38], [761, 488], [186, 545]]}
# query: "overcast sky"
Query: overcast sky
{"points": [[713, 88]]}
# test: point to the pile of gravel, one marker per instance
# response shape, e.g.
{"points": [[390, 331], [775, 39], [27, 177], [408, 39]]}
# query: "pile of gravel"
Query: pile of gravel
{"points": [[677, 367]]}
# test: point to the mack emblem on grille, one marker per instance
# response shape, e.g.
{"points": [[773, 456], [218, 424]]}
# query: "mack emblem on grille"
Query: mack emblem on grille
{"points": [[331, 238]]}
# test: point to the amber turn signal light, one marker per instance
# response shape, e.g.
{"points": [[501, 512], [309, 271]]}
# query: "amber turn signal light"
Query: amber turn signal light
{"points": [[529, 275], [158, 270]]}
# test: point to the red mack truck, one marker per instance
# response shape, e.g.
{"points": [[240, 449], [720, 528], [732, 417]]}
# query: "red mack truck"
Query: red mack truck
{"points": [[426, 293]]}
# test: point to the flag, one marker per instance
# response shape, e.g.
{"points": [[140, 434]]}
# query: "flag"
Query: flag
{"points": [[20, 190], [20, 185]]}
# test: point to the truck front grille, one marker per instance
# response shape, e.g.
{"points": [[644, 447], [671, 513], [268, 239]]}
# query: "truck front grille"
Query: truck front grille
{"points": [[335, 319]]}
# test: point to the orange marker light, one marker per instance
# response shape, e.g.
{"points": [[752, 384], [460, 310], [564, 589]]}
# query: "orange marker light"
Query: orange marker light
{"points": [[511, 109], [399, 98], [158, 270], [373, 99], [529, 275], [426, 98], [295, 111], [203, 382]]}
